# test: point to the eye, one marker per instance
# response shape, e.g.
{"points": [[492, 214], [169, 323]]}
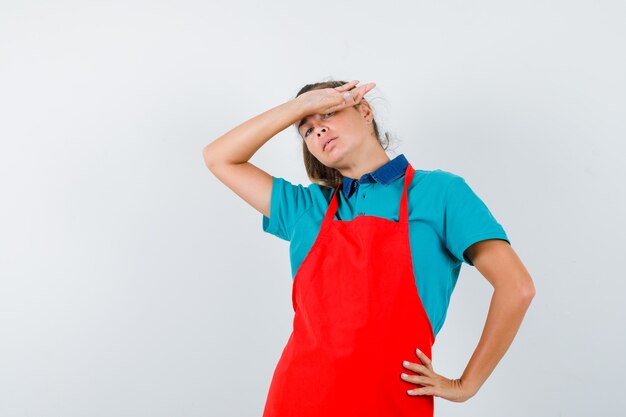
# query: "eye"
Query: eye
{"points": [[307, 131]]}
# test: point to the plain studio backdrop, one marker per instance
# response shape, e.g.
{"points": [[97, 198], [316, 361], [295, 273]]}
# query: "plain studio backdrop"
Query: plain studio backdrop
{"points": [[134, 283]]}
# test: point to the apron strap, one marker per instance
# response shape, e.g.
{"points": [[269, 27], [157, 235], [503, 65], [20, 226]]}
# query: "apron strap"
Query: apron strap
{"points": [[403, 217]]}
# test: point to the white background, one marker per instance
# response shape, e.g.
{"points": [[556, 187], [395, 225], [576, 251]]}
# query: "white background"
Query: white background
{"points": [[134, 283]]}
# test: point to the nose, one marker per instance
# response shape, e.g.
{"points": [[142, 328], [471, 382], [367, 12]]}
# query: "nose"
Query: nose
{"points": [[321, 133]]}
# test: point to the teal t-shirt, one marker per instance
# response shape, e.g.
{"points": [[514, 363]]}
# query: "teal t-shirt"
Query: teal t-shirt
{"points": [[445, 218]]}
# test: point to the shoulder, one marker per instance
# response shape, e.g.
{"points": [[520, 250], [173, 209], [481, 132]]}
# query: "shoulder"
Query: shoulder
{"points": [[435, 190], [443, 177], [290, 202], [305, 194], [433, 182]]}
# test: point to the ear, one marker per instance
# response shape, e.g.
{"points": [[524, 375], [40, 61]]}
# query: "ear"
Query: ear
{"points": [[365, 110]]}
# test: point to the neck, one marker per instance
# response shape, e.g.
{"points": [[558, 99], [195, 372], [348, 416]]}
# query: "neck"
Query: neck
{"points": [[367, 160]]}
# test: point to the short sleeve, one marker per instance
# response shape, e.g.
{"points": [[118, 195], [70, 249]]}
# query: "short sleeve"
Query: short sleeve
{"points": [[467, 219], [288, 203]]}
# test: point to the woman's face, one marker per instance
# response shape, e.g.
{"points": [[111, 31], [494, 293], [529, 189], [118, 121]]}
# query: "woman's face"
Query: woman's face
{"points": [[333, 136]]}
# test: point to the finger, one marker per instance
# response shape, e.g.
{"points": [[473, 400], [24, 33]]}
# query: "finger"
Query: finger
{"points": [[421, 391], [417, 379], [365, 88], [353, 99], [425, 359], [357, 96], [360, 92], [347, 86], [335, 108], [420, 369]]}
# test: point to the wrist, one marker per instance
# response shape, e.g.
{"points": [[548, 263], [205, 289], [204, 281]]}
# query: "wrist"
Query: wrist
{"points": [[469, 387], [300, 107]]}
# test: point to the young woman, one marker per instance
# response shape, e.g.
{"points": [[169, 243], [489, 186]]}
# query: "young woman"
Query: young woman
{"points": [[376, 248]]}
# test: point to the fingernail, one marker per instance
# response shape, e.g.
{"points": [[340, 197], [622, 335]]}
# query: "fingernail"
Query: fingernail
{"points": [[418, 351], [405, 363], [404, 375]]}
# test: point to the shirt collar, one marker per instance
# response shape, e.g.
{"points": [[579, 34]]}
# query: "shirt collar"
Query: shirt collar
{"points": [[384, 175]]}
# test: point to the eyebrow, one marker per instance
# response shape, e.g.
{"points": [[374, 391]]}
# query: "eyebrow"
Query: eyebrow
{"points": [[303, 121]]}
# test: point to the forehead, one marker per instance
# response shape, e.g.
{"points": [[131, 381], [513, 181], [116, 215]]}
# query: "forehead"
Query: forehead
{"points": [[305, 120], [308, 118]]}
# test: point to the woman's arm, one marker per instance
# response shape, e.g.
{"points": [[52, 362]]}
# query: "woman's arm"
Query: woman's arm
{"points": [[513, 292], [227, 156], [239, 144]]}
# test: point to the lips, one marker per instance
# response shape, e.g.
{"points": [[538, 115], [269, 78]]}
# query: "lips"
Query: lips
{"points": [[328, 141]]}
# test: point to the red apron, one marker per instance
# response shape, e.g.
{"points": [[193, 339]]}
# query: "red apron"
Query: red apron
{"points": [[357, 317]]}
